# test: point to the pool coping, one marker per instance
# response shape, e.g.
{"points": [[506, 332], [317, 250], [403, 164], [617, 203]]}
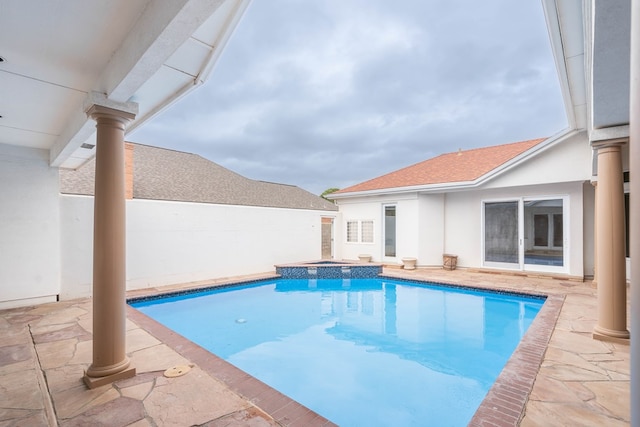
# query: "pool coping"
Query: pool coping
{"points": [[332, 263], [503, 406]]}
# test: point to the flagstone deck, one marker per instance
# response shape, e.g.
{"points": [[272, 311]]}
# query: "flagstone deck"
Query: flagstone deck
{"points": [[45, 349]]}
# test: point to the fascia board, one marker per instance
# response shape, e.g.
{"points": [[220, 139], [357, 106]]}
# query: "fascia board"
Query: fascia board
{"points": [[550, 10], [568, 28]]}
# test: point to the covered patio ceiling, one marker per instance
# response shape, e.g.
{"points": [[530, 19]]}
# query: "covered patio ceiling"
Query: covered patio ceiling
{"points": [[56, 53], [591, 46]]}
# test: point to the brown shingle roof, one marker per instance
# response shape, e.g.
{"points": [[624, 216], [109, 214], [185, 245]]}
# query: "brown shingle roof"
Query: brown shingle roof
{"points": [[460, 166], [162, 174]]}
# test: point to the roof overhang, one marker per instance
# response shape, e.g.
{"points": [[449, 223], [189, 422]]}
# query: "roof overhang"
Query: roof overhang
{"points": [[590, 41], [463, 185], [58, 55], [565, 20]]}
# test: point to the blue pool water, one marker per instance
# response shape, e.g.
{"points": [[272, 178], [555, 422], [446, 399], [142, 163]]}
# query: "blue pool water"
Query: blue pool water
{"points": [[361, 352]]}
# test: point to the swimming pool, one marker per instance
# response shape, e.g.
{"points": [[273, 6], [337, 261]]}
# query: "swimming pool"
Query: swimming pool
{"points": [[360, 351]]}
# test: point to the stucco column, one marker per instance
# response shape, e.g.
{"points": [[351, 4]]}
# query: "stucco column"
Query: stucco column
{"points": [[634, 211], [110, 362], [610, 238]]}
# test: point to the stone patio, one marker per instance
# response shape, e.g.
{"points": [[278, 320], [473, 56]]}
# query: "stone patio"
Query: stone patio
{"points": [[45, 349]]}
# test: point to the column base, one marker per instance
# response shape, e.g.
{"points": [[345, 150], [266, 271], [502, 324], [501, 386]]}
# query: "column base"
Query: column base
{"points": [[610, 335], [93, 382]]}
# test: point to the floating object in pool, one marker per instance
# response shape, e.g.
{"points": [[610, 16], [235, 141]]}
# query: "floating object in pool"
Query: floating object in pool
{"points": [[241, 320]]}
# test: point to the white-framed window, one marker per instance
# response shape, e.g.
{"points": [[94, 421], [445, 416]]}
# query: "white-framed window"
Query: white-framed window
{"points": [[360, 231]]}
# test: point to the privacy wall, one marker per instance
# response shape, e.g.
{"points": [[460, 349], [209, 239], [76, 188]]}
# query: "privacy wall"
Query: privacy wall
{"points": [[29, 226], [175, 242]]}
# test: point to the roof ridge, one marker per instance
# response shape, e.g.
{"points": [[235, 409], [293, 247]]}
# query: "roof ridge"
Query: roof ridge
{"points": [[537, 140], [274, 183], [161, 148]]}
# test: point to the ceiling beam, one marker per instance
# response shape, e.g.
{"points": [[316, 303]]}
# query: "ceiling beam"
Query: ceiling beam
{"points": [[162, 28]]}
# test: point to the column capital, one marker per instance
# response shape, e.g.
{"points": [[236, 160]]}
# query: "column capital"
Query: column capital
{"points": [[97, 104], [609, 143], [609, 135]]}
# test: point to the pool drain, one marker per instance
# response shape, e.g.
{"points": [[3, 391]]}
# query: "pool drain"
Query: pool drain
{"points": [[177, 371]]}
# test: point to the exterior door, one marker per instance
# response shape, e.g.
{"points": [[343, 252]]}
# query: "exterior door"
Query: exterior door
{"points": [[327, 238], [526, 234], [544, 233], [502, 234], [389, 232]]}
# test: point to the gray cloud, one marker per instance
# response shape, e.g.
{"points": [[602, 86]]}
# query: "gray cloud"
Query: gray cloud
{"points": [[329, 93]]}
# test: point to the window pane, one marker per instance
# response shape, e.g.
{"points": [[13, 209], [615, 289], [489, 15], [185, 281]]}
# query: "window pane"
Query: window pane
{"points": [[501, 232], [558, 240], [352, 231], [367, 232], [544, 234], [541, 230]]}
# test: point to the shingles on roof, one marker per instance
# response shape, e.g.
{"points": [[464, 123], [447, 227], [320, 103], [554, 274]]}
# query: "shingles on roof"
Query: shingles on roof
{"points": [[162, 174], [460, 166]]}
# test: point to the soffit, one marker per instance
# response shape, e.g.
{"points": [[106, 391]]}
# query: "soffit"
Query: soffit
{"points": [[565, 23], [610, 68], [57, 52]]}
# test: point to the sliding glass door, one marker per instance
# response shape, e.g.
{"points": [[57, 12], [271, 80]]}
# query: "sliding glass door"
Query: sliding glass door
{"points": [[501, 234], [525, 234], [544, 232]]}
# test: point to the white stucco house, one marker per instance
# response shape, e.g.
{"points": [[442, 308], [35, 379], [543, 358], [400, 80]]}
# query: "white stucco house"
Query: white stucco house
{"points": [[521, 206]]}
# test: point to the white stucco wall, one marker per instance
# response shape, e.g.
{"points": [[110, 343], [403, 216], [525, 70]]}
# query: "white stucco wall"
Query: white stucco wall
{"points": [[431, 229], [589, 224], [173, 242], [408, 231], [408, 228], [29, 226], [568, 161], [361, 209]]}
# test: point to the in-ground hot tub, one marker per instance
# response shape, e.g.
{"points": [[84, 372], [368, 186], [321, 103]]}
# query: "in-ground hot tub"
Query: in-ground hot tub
{"points": [[329, 269]]}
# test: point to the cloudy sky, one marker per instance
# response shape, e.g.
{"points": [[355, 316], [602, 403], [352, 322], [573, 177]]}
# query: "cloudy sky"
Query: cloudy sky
{"points": [[329, 93]]}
